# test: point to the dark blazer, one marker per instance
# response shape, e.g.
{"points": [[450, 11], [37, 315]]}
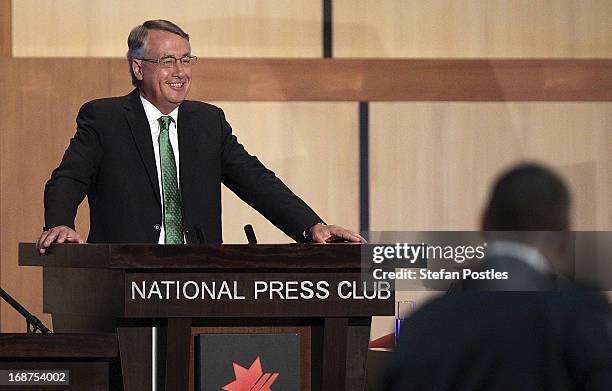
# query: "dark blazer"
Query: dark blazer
{"points": [[521, 278], [111, 160], [507, 340]]}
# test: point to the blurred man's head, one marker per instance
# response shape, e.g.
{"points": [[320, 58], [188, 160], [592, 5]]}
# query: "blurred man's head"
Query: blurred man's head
{"points": [[528, 197], [531, 204]]}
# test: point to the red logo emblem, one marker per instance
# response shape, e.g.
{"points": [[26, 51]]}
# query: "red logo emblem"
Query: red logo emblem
{"points": [[251, 379]]}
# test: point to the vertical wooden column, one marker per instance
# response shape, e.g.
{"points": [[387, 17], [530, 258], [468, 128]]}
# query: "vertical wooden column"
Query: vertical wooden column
{"points": [[335, 332], [358, 337], [345, 347], [5, 51], [178, 354], [6, 28], [135, 354]]}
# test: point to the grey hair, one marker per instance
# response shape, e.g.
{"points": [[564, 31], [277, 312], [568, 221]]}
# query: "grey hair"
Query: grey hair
{"points": [[138, 40]]}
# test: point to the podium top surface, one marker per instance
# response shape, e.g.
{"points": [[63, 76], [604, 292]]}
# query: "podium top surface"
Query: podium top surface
{"points": [[340, 257]]}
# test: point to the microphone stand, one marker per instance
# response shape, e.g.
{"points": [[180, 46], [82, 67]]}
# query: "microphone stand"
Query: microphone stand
{"points": [[33, 324]]}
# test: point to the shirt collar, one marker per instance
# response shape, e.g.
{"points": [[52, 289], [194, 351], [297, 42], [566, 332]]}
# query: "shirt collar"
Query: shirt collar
{"points": [[153, 112], [520, 251]]}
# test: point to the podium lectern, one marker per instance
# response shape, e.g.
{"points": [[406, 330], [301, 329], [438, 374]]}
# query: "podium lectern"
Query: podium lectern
{"points": [[314, 290]]}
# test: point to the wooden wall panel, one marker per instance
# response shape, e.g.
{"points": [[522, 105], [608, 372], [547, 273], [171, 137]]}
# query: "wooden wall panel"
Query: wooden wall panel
{"points": [[392, 80], [4, 39], [473, 28], [432, 164], [312, 147], [5, 28], [218, 28], [39, 106]]}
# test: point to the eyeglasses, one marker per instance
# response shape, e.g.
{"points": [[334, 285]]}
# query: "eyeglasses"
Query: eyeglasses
{"points": [[170, 61]]}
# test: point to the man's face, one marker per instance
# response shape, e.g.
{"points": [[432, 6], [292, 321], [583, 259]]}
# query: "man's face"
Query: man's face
{"points": [[165, 88]]}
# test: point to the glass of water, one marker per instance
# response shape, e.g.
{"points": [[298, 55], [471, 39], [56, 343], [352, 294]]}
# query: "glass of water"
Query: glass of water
{"points": [[403, 309]]}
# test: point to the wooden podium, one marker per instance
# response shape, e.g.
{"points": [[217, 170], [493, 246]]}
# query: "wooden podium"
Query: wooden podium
{"points": [[183, 288], [91, 359]]}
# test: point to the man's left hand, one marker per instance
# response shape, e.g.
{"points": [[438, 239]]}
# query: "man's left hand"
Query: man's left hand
{"points": [[321, 233]]}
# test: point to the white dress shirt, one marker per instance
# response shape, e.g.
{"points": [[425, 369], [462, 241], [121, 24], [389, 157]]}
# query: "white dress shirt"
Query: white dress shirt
{"points": [[153, 115]]}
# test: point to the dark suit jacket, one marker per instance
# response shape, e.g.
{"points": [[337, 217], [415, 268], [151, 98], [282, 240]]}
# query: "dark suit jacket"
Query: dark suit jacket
{"points": [[521, 278], [111, 160], [511, 340]]}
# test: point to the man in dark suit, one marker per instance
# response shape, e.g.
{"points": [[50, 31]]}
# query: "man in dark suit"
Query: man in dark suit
{"points": [[152, 163], [523, 333]]}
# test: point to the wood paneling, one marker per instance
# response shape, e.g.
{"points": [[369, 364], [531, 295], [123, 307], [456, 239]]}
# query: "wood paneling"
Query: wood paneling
{"points": [[4, 15], [218, 28], [5, 28], [393, 80], [432, 164], [365, 28], [222, 258], [473, 28], [311, 146], [73, 346], [39, 105]]}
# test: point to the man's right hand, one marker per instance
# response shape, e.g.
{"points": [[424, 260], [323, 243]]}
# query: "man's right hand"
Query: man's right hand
{"points": [[59, 234]]}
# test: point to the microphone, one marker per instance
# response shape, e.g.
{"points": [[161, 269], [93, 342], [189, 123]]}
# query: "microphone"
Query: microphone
{"points": [[250, 234]]}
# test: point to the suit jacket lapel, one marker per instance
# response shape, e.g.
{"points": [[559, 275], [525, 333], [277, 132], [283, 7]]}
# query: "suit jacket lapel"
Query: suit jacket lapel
{"points": [[139, 126]]}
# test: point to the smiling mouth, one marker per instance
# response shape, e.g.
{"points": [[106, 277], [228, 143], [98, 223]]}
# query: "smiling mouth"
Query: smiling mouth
{"points": [[176, 85]]}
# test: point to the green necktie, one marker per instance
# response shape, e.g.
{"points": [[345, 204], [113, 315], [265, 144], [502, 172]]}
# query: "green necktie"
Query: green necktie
{"points": [[172, 199]]}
